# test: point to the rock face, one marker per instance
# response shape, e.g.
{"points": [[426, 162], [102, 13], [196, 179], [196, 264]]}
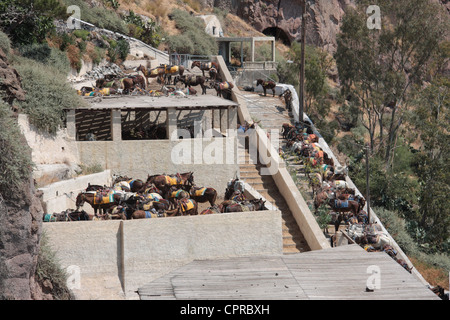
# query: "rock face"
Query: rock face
{"points": [[284, 17], [20, 230], [9, 80], [20, 219]]}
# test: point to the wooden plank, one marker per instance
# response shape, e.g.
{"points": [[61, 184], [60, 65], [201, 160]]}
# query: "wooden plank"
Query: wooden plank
{"points": [[336, 273]]}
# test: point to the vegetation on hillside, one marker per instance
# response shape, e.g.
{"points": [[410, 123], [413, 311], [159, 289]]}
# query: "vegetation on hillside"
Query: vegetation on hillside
{"points": [[394, 97], [192, 38]]}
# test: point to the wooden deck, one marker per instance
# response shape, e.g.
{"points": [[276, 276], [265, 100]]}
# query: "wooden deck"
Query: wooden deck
{"points": [[336, 273]]}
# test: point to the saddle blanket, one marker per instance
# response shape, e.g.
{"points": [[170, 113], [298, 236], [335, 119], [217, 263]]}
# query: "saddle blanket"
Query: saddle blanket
{"points": [[205, 65], [147, 206], [150, 214], [105, 91], [154, 72], [175, 194], [224, 85], [199, 192], [154, 196], [341, 203], [340, 184], [172, 180], [316, 147], [49, 217], [122, 185], [100, 198], [171, 69], [319, 154], [187, 205], [238, 197]]}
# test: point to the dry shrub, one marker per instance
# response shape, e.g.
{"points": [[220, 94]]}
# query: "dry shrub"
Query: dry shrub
{"points": [[435, 276], [158, 8], [74, 55]]}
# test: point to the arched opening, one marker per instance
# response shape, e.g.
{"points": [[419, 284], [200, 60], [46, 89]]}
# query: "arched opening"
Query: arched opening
{"points": [[279, 34]]}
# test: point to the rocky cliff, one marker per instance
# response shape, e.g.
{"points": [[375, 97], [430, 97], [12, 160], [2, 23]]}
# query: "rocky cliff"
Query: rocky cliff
{"points": [[283, 18], [20, 217]]}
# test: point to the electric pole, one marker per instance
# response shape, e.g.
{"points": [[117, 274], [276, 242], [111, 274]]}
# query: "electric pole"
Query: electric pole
{"points": [[302, 63], [367, 184]]}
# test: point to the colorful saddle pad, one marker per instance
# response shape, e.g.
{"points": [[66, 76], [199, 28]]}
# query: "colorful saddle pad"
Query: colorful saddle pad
{"points": [[154, 196], [187, 205], [172, 180], [49, 217], [199, 192], [341, 204], [205, 65], [224, 85], [171, 69], [176, 194], [101, 198]]}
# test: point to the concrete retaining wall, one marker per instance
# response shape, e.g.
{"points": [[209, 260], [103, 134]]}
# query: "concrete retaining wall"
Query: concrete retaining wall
{"points": [[139, 158], [61, 195], [116, 257]]}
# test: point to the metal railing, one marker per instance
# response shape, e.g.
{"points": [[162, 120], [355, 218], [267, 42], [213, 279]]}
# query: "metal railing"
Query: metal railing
{"points": [[186, 59]]}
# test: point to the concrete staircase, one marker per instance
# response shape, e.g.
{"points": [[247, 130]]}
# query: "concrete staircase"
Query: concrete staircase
{"points": [[271, 114]]}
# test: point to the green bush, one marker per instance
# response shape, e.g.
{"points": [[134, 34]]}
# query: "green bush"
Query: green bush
{"points": [[41, 52], [100, 16], [49, 269], [5, 43], [194, 39], [36, 51], [15, 160], [48, 94], [82, 34], [397, 228]]}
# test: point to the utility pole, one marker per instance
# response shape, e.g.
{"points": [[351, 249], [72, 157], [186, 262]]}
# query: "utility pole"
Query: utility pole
{"points": [[367, 184], [302, 63]]}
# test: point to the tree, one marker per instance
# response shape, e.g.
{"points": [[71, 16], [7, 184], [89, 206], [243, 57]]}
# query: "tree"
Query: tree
{"points": [[27, 21], [383, 68], [317, 62], [431, 119]]}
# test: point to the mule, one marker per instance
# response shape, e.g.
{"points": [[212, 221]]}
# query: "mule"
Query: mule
{"points": [[266, 85], [185, 207], [142, 214], [99, 201], [203, 195], [205, 66], [233, 186], [287, 94], [222, 87], [164, 182], [214, 75], [211, 210], [249, 205], [67, 215], [193, 81], [126, 84], [344, 206], [171, 70], [174, 194], [157, 72]]}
